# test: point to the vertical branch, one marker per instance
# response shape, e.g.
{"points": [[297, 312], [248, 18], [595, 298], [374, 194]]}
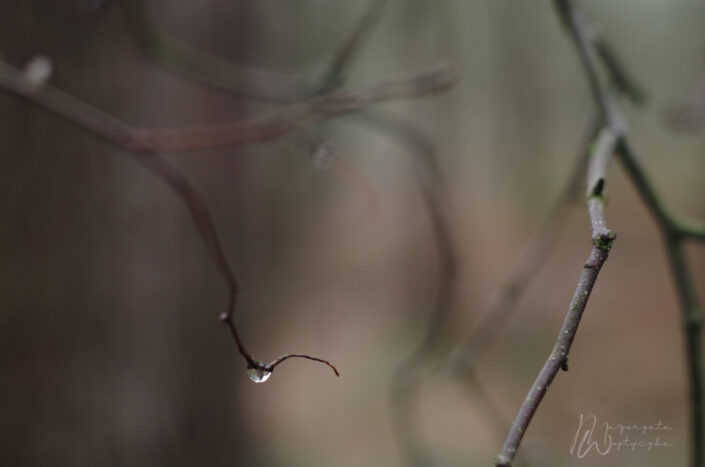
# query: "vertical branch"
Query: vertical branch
{"points": [[674, 231], [602, 239]]}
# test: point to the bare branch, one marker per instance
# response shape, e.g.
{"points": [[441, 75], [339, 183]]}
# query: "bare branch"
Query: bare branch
{"points": [[208, 69], [613, 138], [689, 116], [243, 80], [115, 131], [343, 58], [674, 232], [288, 356], [602, 239], [261, 128]]}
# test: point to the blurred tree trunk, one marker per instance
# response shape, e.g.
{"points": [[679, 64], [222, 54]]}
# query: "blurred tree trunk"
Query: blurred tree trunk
{"points": [[110, 346]]}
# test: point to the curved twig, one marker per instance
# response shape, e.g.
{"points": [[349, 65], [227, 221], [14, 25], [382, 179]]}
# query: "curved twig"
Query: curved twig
{"points": [[279, 360]]}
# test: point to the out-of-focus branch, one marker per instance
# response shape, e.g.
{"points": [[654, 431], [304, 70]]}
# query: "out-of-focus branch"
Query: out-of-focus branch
{"points": [[674, 232], [256, 129], [338, 67], [428, 177], [206, 68], [249, 82], [145, 151], [689, 116], [436, 200]]}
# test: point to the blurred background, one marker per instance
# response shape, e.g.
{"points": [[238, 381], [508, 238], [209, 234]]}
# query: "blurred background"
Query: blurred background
{"points": [[110, 348]]}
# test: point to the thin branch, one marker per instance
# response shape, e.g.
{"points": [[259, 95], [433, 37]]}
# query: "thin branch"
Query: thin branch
{"points": [[114, 131], [257, 129], [619, 76], [669, 222], [432, 188], [246, 81], [674, 231], [211, 70], [408, 135], [308, 357], [602, 239], [340, 63], [614, 138], [689, 116]]}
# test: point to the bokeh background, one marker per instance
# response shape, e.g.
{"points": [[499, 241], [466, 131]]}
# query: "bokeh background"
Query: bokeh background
{"points": [[110, 348]]}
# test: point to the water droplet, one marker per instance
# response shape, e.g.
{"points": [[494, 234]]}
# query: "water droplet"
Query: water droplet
{"points": [[258, 375], [323, 154], [37, 71]]}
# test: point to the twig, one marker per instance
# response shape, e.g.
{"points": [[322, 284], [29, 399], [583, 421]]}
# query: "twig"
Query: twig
{"points": [[340, 63], [689, 116], [122, 135], [602, 239], [188, 61], [674, 231], [257, 129], [613, 138], [428, 177], [246, 81]]}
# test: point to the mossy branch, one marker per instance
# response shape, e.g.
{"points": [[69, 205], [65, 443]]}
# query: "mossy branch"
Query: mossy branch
{"points": [[602, 238]]}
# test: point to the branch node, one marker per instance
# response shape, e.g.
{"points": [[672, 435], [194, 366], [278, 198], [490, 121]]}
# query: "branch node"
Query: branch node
{"points": [[598, 188], [500, 460], [604, 240]]}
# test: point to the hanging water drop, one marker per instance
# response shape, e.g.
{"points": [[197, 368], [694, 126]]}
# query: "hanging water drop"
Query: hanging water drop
{"points": [[323, 154], [258, 375]]}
